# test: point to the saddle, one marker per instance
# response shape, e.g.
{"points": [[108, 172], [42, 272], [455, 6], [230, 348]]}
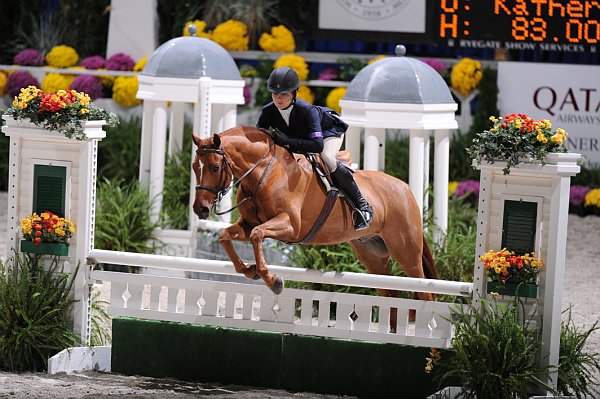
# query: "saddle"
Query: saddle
{"points": [[333, 193]]}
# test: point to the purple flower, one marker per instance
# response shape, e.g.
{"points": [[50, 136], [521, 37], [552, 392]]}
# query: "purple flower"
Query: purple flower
{"points": [[468, 189], [329, 74], [120, 62], [247, 94], [93, 62], [439, 65], [19, 80], [29, 56], [89, 85], [577, 195]]}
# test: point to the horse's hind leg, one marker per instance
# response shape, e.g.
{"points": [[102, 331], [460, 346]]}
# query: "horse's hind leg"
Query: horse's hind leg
{"points": [[374, 255]]}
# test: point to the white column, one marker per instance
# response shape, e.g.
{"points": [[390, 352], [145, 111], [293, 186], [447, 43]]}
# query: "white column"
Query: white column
{"points": [[352, 143], [374, 143], [146, 142], [553, 275], [157, 166], [440, 183], [416, 165], [426, 164], [229, 116], [176, 122], [84, 239]]}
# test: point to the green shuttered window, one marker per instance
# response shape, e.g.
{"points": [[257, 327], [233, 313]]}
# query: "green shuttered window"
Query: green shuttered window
{"points": [[519, 226], [49, 187]]}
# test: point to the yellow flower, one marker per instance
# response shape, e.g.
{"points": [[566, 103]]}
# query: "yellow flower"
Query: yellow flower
{"points": [[452, 186], [3, 80], [592, 198], [106, 80], [306, 94], [200, 26], [334, 97], [280, 40], [232, 35], [26, 225], [27, 94], [295, 62], [124, 91], [56, 81], [140, 64], [62, 57], [465, 76]]}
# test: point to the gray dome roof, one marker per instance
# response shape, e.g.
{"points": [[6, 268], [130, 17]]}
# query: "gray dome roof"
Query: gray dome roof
{"points": [[399, 80], [192, 58]]}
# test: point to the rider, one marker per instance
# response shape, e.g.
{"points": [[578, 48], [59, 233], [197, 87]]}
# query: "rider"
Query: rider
{"points": [[305, 128]]}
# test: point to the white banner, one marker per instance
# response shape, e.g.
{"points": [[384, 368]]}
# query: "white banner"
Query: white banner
{"points": [[380, 16], [567, 95]]}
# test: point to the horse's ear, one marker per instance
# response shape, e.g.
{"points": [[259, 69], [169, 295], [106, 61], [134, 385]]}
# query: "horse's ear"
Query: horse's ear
{"points": [[217, 141], [196, 140]]}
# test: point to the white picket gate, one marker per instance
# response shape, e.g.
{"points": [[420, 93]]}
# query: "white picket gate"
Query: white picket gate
{"points": [[159, 296]]}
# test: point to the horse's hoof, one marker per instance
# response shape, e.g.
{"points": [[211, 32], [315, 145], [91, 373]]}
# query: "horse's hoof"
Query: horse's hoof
{"points": [[252, 268], [277, 286]]}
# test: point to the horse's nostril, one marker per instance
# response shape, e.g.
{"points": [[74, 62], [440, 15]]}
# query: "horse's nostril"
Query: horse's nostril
{"points": [[202, 212]]}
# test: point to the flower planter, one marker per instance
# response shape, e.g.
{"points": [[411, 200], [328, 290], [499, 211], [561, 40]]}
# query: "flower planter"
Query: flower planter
{"points": [[45, 248], [512, 289]]}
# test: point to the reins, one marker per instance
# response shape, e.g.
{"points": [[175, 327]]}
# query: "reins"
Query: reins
{"points": [[220, 190]]}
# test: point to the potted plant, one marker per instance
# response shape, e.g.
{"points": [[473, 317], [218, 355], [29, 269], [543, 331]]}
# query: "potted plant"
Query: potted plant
{"points": [[512, 274], [517, 138], [63, 111], [46, 233]]}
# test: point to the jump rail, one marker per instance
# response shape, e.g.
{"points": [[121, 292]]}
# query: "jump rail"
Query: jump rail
{"points": [[159, 296]]}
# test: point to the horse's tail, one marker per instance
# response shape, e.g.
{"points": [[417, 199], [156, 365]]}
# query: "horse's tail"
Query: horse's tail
{"points": [[428, 262]]}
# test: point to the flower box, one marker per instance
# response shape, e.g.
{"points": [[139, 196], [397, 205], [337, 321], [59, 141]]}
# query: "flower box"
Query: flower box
{"points": [[45, 248], [512, 289]]}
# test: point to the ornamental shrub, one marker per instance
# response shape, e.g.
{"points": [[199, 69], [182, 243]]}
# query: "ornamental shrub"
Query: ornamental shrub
{"points": [[296, 62], [19, 80], [30, 56], [93, 62], [232, 35], [465, 76], [120, 62], [306, 94], [3, 82], [88, 84], [124, 91], [62, 57], [56, 81], [334, 97], [280, 40], [199, 25]]}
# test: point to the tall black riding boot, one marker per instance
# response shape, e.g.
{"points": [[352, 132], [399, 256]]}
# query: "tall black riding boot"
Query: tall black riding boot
{"points": [[344, 180]]}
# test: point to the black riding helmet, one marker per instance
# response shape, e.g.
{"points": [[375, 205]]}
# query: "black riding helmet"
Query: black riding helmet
{"points": [[283, 80]]}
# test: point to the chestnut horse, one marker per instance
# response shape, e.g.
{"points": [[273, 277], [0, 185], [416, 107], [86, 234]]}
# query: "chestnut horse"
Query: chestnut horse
{"points": [[280, 197]]}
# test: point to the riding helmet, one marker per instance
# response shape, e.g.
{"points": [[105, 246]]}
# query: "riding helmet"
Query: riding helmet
{"points": [[283, 80]]}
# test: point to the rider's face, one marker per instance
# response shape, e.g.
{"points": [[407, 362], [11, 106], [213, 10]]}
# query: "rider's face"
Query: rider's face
{"points": [[282, 101]]}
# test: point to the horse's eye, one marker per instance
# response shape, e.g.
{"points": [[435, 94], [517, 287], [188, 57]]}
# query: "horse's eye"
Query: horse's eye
{"points": [[214, 168]]}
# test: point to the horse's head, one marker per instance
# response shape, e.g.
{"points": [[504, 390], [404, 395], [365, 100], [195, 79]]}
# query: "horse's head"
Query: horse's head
{"points": [[213, 174]]}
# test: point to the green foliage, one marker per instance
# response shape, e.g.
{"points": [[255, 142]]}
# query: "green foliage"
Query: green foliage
{"points": [[577, 368], [123, 218], [515, 137], [100, 332], [349, 67], [176, 193], [34, 306], [587, 177], [460, 161], [119, 153], [397, 157], [494, 350]]}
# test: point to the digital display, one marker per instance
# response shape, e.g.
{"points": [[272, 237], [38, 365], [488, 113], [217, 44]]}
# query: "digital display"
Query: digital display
{"points": [[505, 23]]}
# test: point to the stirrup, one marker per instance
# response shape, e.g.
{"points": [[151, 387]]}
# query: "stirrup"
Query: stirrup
{"points": [[363, 220]]}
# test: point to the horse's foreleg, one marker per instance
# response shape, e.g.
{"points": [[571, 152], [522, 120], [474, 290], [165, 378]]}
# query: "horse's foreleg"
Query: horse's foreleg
{"points": [[278, 228], [237, 232]]}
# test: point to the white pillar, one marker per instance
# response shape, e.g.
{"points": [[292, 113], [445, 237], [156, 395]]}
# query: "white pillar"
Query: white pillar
{"points": [[553, 275], [132, 28], [426, 164], [416, 165], [202, 109], [146, 142], [440, 183], [229, 116], [157, 166], [176, 123], [352, 143], [374, 145]]}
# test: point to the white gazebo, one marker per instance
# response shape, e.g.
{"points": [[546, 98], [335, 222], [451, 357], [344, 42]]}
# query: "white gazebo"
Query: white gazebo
{"points": [[185, 70], [403, 93]]}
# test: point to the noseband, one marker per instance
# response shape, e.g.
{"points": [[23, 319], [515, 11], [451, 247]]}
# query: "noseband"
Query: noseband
{"points": [[220, 190]]}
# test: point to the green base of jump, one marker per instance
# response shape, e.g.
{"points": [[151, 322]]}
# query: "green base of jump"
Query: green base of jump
{"points": [[268, 359], [512, 289], [45, 248]]}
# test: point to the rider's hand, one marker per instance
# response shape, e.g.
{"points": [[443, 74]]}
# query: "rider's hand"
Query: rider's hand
{"points": [[279, 137]]}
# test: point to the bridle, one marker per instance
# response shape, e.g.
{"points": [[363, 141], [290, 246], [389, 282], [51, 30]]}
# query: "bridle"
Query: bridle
{"points": [[220, 190]]}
